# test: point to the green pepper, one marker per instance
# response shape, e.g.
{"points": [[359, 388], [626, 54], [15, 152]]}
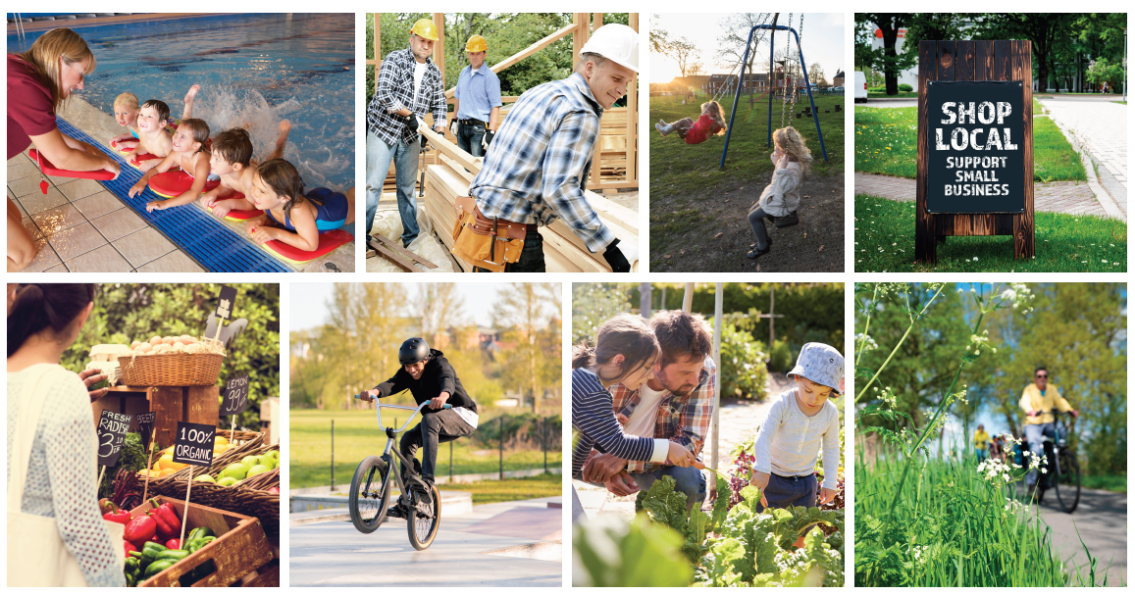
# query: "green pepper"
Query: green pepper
{"points": [[158, 566], [130, 564], [172, 555], [196, 545], [201, 532], [131, 580], [151, 550]]}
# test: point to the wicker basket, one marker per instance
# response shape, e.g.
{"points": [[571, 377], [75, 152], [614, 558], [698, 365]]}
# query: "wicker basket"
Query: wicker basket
{"points": [[176, 369]]}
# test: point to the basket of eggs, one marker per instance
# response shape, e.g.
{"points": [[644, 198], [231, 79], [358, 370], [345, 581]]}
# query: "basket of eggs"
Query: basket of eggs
{"points": [[172, 361]]}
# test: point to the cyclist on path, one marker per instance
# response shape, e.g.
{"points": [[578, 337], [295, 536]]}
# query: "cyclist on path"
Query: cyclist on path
{"points": [[430, 378], [1037, 401]]}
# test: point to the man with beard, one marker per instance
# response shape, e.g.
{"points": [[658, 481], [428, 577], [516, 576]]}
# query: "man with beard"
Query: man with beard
{"points": [[676, 404]]}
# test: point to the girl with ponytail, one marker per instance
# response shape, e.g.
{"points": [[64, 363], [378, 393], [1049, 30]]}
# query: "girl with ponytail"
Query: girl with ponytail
{"points": [[64, 541]]}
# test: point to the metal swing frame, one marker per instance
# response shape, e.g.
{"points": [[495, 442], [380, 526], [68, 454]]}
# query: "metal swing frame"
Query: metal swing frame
{"points": [[772, 57]]}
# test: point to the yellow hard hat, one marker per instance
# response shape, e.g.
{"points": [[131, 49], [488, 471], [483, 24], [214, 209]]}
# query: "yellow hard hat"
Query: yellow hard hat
{"points": [[425, 29], [477, 44]]}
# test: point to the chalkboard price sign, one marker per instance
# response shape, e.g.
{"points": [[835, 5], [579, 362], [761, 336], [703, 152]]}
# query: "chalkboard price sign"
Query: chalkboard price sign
{"points": [[111, 435], [194, 444], [236, 396], [976, 146], [225, 302], [146, 426]]}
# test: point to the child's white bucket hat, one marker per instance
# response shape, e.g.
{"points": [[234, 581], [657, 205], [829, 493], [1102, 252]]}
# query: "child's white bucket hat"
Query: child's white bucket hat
{"points": [[820, 363]]}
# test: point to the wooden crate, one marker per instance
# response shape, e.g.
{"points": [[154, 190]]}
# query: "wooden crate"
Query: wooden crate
{"points": [[240, 548], [190, 404]]}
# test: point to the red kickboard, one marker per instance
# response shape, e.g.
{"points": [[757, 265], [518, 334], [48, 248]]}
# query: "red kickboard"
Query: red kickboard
{"points": [[49, 169], [239, 215], [122, 149], [137, 159], [176, 182], [327, 243]]}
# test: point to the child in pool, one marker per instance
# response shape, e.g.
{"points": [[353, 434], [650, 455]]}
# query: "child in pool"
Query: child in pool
{"points": [[625, 352], [232, 161], [800, 423], [291, 215], [189, 154], [710, 123], [781, 198], [153, 137], [126, 115]]}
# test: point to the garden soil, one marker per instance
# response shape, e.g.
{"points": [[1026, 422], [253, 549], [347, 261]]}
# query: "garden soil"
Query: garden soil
{"points": [[814, 245]]}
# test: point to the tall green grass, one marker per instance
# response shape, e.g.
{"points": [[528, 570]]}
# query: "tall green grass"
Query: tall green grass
{"points": [[952, 528]]}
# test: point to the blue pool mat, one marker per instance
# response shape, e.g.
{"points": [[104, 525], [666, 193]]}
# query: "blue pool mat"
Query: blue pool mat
{"points": [[213, 245]]}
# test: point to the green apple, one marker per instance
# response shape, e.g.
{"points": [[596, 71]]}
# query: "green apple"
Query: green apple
{"points": [[269, 461], [227, 481], [235, 470], [275, 454], [250, 461], [259, 468], [206, 479]]}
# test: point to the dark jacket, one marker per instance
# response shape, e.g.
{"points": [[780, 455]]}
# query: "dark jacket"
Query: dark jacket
{"points": [[437, 377]]}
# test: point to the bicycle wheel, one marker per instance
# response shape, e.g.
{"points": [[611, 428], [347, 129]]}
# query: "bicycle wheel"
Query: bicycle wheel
{"points": [[424, 517], [1067, 484], [370, 494]]}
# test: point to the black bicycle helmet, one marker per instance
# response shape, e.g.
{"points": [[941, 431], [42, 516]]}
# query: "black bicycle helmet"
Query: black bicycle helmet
{"points": [[414, 350]]}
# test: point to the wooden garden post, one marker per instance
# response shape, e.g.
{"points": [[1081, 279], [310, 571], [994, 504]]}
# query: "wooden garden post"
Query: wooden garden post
{"points": [[439, 45]]}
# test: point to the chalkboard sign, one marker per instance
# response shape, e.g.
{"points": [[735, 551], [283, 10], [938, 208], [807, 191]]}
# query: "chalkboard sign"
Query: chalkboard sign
{"points": [[225, 302], [111, 435], [194, 444], [146, 426], [236, 396], [976, 148]]}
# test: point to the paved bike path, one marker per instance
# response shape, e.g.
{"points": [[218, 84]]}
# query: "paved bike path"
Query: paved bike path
{"points": [[1101, 519], [475, 549]]}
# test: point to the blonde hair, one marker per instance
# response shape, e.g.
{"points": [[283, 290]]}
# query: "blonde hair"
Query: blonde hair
{"points": [[45, 54], [718, 115], [790, 141], [127, 99]]}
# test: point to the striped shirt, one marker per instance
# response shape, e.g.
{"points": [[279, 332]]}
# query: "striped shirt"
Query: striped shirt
{"points": [[396, 91], [595, 422], [537, 168], [789, 440]]}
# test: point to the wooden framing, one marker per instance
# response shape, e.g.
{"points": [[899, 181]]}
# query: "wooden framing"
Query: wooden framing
{"points": [[615, 162], [973, 61]]}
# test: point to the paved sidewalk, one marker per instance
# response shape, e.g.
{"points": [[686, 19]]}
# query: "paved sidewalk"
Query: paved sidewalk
{"points": [[1101, 128], [1066, 197]]}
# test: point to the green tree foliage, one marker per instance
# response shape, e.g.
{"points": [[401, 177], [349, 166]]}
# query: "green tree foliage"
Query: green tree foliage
{"points": [[522, 314], [127, 312], [743, 361], [591, 305], [887, 58]]}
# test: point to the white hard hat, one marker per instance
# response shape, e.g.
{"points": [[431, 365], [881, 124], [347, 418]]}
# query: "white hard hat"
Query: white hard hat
{"points": [[618, 43]]}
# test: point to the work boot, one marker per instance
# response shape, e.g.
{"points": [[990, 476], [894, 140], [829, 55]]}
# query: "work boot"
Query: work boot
{"points": [[787, 221]]}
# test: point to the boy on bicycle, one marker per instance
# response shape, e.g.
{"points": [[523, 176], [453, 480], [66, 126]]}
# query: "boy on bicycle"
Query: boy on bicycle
{"points": [[429, 378], [1038, 401]]}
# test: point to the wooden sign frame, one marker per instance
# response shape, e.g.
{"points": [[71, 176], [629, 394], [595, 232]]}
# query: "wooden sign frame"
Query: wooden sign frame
{"points": [[974, 61]]}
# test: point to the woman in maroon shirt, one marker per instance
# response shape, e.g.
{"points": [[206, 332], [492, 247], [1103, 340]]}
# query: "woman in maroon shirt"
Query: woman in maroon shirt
{"points": [[39, 82]]}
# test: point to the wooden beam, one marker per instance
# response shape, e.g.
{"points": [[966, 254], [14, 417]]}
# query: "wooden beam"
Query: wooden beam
{"points": [[377, 48], [632, 120], [578, 37], [439, 45], [596, 21], [526, 52], [450, 149]]}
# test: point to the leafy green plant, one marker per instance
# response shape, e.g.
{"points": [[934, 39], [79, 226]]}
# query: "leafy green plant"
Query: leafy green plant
{"points": [[743, 364], [780, 359], [609, 551]]}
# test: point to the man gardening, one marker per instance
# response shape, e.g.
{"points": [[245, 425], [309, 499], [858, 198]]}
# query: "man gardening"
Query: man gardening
{"points": [[409, 86], [429, 378], [478, 100], [676, 404], [541, 157], [1038, 400]]}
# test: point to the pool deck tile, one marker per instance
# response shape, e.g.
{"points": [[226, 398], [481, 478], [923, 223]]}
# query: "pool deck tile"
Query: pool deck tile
{"points": [[118, 224], [143, 247], [46, 257], [99, 204], [80, 188], [25, 186], [175, 261], [36, 203], [76, 241], [21, 170], [103, 259], [58, 218]]}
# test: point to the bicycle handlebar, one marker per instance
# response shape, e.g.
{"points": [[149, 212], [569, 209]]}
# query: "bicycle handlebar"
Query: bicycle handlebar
{"points": [[417, 408]]}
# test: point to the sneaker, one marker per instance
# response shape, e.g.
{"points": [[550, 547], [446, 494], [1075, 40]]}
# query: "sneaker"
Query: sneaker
{"points": [[398, 510], [662, 129], [755, 253]]}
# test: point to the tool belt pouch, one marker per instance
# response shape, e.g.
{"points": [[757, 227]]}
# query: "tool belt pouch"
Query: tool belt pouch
{"points": [[484, 242]]}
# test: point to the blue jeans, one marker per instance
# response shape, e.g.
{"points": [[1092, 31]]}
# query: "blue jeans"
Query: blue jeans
{"points": [[687, 480], [405, 158], [469, 138], [785, 492], [1034, 434]]}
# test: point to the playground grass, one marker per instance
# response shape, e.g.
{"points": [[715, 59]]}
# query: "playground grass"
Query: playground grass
{"points": [[884, 242], [357, 436], [901, 95], [886, 142], [514, 489], [1111, 482]]}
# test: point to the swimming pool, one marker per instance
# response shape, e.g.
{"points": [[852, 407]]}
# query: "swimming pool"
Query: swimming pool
{"points": [[254, 69]]}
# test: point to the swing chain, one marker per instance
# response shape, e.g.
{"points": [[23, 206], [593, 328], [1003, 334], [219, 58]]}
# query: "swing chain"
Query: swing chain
{"points": [[787, 61]]}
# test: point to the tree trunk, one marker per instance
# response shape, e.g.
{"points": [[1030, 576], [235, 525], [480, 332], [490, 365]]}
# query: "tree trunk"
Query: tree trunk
{"points": [[890, 37]]}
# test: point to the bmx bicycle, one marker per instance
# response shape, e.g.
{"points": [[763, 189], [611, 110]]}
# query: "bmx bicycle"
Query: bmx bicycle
{"points": [[1063, 476], [371, 489]]}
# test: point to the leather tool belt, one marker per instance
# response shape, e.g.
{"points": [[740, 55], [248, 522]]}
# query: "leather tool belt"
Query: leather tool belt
{"points": [[484, 242]]}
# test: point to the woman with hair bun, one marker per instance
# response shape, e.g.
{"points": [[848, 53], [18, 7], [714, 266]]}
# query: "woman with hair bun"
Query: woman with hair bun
{"points": [[52, 474]]}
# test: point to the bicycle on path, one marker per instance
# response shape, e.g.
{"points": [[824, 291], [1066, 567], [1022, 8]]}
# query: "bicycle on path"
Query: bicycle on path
{"points": [[371, 489], [1063, 476]]}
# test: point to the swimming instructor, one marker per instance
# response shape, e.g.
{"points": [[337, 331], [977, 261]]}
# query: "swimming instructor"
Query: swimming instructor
{"points": [[39, 83]]}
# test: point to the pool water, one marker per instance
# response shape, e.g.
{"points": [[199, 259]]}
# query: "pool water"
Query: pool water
{"points": [[254, 70]]}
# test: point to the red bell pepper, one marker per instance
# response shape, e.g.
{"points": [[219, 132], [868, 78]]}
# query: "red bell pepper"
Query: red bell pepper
{"points": [[173, 544], [129, 546], [120, 516], [169, 525], [140, 530], [157, 538]]}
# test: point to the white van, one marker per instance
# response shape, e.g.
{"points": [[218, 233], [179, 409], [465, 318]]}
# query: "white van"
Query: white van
{"points": [[860, 87]]}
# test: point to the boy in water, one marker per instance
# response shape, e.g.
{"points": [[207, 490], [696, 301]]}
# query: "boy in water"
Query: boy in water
{"points": [[153, 138], [232, 161]]}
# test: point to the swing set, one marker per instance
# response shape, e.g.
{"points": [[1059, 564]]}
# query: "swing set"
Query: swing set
{"points": [[807, 84]]}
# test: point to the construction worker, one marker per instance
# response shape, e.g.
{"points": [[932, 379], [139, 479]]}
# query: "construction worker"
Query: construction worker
{"points": [[478, 100], [409, 87], [541, 156]]}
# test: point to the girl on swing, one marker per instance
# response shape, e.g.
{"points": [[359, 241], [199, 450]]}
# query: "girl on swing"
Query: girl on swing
{"points": [[711, 123], [781, 197]]}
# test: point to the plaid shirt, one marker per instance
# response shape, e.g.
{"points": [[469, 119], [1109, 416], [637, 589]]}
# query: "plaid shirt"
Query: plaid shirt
{"points": [[684, 419], [396, 91], [537, 167]]}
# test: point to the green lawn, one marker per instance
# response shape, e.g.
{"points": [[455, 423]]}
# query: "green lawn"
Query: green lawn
{"points": [[886, 142], [884, 242], [514, 489], [680, 168], [900, 95], [357, 436], [1115, 484], [1120, 102]]}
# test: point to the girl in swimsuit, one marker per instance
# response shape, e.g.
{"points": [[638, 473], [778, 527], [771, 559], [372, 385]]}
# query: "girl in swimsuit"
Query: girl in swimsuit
{"points": [[291, 215], [711, 123], [188, 154]]}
